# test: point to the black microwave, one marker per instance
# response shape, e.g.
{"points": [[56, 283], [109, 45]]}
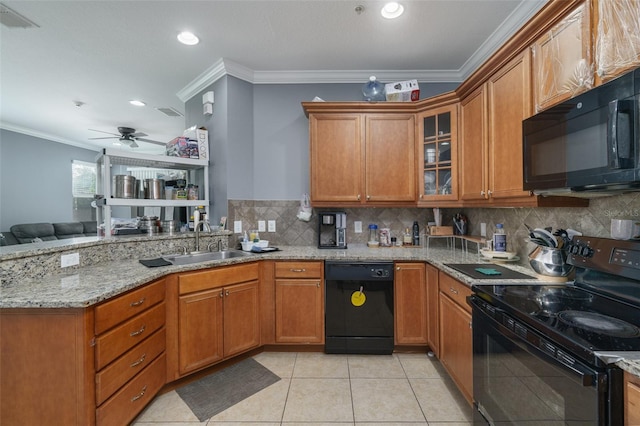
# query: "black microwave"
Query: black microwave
{"points": [[587, 143]]}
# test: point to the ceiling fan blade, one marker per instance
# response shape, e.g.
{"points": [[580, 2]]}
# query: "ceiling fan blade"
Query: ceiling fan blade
{"points": [[100, 131], [133, 144], [151, 141], [108, 137], [139, 134]]}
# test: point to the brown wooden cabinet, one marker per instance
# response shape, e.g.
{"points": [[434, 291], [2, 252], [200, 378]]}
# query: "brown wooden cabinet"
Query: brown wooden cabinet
{"points": [[361, 158], [474, 149], [217, 316], [101, 365], [433, 323], [617, 38], [562, 65], [456, 339], [631, 399], [299, 302], [438, 154], [410, 300]]}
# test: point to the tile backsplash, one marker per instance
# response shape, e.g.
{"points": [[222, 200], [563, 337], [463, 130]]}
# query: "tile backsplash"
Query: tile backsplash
{"points": [[594, 220]]}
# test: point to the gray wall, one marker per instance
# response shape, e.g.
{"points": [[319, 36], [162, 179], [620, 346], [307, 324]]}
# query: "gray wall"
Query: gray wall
{"points": [[35, 179]]}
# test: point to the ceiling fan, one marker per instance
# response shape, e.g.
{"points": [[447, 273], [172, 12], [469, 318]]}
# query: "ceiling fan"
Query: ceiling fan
{"points": [[128, 136]]}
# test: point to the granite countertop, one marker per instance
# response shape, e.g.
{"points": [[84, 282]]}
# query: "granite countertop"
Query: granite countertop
{"points": [[90, 285]]}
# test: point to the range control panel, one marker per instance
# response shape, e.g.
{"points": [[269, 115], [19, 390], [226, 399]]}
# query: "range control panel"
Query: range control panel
{"points": [[620, 257]]}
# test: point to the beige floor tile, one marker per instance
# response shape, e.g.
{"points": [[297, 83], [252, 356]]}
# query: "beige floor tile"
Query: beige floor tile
{"points": [[216, 423], [319, 365], [280, 363], [420, 366], [264, 406], [451, 424], [375, 367], [438, 403], [168, 407], [318, 400], [390, 424], [196, 423], [384, 400]]}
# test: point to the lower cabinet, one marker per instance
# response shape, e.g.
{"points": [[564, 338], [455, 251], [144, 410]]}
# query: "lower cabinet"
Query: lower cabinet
{"points": [[456, 339], [410, 300], [433, 327], [218, 315], [101, 365], [631, 399], [299, 302]]}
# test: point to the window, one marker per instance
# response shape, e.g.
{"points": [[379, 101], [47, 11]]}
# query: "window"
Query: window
{"points": [[83, 188]]}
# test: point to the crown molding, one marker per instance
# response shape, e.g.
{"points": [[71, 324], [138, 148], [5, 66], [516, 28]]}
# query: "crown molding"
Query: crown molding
{"points": [[46, 136]]}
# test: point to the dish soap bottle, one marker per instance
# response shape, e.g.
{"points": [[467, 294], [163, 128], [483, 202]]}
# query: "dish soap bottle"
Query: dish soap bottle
{"points": [[499, 238]]}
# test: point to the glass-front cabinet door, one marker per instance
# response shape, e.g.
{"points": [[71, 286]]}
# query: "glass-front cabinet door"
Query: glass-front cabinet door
{"points": [[438, 130]]}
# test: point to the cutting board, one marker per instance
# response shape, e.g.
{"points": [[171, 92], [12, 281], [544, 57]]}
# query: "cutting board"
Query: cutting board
{"points": [[505, 273]]}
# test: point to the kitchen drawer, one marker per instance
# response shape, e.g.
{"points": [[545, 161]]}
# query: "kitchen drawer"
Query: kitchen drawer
{"points": [[113, 312], [125, 405], [128, 365], [299, 269], [218, 277], [456, 290], [117, 341]]}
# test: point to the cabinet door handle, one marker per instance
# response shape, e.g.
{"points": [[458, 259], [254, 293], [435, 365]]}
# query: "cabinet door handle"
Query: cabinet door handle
{"points": [[454, 291], [318, 284], [221, 293], [139, 361], [137, 303], [482, 193], [138, 332], [226, 293], [397, 268], [489, 192], [368, 197], [358, 197], [298, 270], [140, 395]]}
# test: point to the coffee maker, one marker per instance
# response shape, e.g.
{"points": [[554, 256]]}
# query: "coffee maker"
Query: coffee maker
{"points": [[332, 230]]}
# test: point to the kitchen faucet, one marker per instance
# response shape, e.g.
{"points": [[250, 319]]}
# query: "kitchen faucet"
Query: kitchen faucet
{"points": [[197, 229]]}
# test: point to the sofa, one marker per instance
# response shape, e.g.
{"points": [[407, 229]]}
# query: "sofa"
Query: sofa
{"points": [[34, 232]]}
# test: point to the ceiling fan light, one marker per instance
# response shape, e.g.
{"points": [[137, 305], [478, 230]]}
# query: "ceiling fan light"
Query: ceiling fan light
{"points": [[188, 38], [137, 102], [392, 10], [117, 143]]}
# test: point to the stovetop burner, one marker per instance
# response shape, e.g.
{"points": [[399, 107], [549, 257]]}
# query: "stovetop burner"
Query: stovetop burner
{"points": [[598, 323]]}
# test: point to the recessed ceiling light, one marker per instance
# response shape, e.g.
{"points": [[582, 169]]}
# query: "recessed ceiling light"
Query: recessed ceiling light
{"points": [[392, 10], [136, 102], [188, 38]]}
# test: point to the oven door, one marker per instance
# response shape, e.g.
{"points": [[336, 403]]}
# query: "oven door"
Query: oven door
{"points": [[515, 382]]}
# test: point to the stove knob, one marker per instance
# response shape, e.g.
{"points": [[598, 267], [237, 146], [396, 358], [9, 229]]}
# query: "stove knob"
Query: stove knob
{"points": [[586, 252], [574, 249]]}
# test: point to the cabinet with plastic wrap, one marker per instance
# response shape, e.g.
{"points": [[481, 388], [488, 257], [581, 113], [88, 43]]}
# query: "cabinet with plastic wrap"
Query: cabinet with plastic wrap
{"points": [[562, 64], [410, 300], [197, 171]]}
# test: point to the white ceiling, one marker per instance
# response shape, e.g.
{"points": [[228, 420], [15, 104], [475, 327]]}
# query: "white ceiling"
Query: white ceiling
{"points": [[104, 53]]}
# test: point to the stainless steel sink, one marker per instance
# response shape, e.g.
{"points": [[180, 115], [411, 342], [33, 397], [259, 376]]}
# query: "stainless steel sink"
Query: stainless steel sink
{"points": [[186, 259]]}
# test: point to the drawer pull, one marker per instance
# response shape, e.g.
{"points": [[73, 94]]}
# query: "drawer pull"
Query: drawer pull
{"points": [[138, 303], [298, 270], [138, 362], [454, 291], [140, 395], [139, 332]]}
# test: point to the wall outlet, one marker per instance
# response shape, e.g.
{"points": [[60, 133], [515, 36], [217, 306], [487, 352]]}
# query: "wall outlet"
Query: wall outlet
{"points": [[272, 225], [262, 226], [71, 259], [357, 225], [237, 226], [483, 229]]}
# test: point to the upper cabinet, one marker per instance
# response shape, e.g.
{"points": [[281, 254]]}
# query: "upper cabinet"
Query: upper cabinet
{"points": [[360, 159], [562, 65], [437, 153], [617, 37]]}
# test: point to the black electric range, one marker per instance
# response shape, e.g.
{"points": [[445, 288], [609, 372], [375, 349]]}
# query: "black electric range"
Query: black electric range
{"points": [[598, 312]]}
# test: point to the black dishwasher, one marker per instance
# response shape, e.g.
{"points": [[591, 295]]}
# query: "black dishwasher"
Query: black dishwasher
{"points": [[358, 307]]}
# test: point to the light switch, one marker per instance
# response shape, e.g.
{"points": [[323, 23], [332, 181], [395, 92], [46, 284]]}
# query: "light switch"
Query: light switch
{"points": [[357, 227], [262, 227], [272, 225], [237, 226]]}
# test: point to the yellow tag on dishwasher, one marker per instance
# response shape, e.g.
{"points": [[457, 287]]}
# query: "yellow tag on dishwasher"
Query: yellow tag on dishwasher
{"points": [[358, 298]]}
